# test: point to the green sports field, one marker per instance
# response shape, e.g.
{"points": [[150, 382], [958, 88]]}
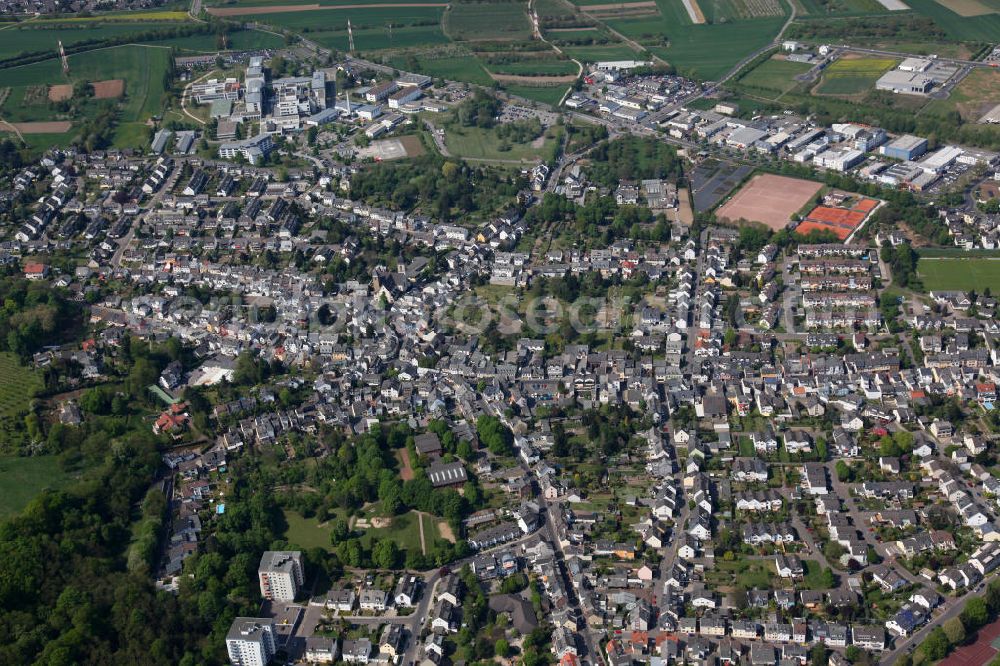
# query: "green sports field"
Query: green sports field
{"points": [[960, 274]]}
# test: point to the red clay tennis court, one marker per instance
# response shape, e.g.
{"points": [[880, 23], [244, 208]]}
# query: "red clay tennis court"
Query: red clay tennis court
{"points": [[805, 228], [979, 653]]}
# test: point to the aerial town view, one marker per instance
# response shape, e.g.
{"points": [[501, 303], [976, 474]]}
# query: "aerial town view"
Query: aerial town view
{"points": [[500, 332]]}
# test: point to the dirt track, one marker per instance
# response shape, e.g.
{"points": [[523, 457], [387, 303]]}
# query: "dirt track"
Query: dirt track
{"points": [[278, 9], [618, 5], [50, 127], [538, 80]]}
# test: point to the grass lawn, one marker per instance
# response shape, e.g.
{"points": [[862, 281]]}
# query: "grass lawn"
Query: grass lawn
{"points": [[23, 478], [476, 21], [405, 531], [484, 143], [306, 533], [813, 580], [962, 274], [853, 76], [776, 75], [544, 94], [744, 574]]}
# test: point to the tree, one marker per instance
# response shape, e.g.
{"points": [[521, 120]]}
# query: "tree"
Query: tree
{"points": [[495, 435], [817, 655], [935, 646], [954, 630], [843, 471], [385, 554], [502, 648], [975, 614]]}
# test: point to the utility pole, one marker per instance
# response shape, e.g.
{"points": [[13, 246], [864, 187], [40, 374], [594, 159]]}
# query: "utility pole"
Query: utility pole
{"points": [[65, 60]]}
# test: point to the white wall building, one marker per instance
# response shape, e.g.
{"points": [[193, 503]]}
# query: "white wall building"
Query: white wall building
{"points": [[250, 641], [280, 574]]}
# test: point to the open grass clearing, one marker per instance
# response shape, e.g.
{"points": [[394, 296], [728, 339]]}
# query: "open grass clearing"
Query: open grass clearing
{"points": [[777, 75], [22, 479]]}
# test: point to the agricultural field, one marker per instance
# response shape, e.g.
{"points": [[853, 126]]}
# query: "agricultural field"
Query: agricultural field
{"points": [[142, 68], [739, 10], [368, 17], [244, 40], [683, 44], [838, 7], [963, 273], [983, 28], [473, 21], [454, 68], [851, 75], [597, 53], [374, 39], [774, 75], [30, 38], [534, 67]]}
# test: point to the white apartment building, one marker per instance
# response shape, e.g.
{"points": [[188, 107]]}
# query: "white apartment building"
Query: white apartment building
{"points": [[280, 574], [250, 641]]}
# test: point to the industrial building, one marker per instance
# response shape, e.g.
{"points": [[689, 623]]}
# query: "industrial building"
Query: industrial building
{"points": [[903, 82], [906, 147]]}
